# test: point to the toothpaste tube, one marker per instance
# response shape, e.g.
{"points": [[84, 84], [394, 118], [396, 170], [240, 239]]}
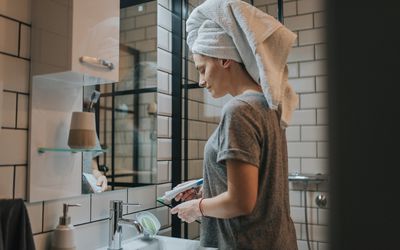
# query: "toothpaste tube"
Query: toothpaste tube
{"points": [[169, 195]]}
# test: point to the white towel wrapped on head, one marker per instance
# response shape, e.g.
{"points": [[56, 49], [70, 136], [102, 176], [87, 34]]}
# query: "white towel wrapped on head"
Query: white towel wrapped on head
{"points": [[233, 29]]}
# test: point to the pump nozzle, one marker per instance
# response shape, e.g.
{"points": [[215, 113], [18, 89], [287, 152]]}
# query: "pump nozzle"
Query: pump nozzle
{"points": [[65, 219]]}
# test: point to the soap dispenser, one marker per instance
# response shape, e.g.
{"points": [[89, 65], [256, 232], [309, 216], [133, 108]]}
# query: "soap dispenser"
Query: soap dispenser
{"points": [[63, 237]]}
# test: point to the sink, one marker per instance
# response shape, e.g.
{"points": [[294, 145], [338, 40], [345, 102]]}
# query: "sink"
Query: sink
{"points": [[159, 243]]}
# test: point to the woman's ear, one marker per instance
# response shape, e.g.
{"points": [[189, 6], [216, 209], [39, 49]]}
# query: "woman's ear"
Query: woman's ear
{"points": [[225, 63]]}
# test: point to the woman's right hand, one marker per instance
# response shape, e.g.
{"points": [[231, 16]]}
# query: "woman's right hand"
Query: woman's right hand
{"points": [[190, 194]]}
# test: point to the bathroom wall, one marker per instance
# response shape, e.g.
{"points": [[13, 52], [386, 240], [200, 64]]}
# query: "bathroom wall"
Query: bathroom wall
{"points": [[91, 218], [307, 135]]}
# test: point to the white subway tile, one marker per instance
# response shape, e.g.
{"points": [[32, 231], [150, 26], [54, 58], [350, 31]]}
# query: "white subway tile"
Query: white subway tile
{"points": [[304, 117], [14, 73], [9, 35], [263, 2], [162, 171], [18, 9], [151, 33], [314, 165], [100, 205], [165, 3], [294, 165], [195, 169], [135, 35], [312, 36], [318, 100], [323, 149], [289, 9], [317, 232], [23, 107], [320, 51], [161, 189], [164, 60], [297, 227], [264, 9], [162, 38], [324, 246], [303, 53], [162, 126], [197, 130], [54, 209], [163, 81], [145, 196], [35, 212], [13, 146], [319, 19], [298, 215], [164, 150], [146, 45], [146, 20], [293, 133], [126, 23], [42, 241], [193, 74], [322, 83], [164, 18], [163, 215], [322, 116], [312, 195], [20, 182], [193, 149], [313, 68], [299, 22], [323, 216], [303, 85], [295, 198], [6, 182], [307, 6], [164, 104], [25, 42], [302, 149], [211, 127], [202, 144], [303, 245], [314, 133], [9, 109], [92, 236], [293, 70], [193, 111]]}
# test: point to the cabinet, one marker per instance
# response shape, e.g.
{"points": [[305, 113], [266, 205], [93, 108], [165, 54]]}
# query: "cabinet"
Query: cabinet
{"points": [[73, 43], [76, 41]]}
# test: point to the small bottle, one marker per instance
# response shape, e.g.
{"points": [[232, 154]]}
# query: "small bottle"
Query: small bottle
{"points": [[63, 237]]}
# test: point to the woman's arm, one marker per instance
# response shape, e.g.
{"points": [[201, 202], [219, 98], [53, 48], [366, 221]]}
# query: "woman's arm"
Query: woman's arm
{"points": [[239, 199], [241, 196]]}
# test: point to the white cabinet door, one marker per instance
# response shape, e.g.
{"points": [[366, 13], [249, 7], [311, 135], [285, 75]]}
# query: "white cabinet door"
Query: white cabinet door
{"points": [[65, 31], [96, 36]]}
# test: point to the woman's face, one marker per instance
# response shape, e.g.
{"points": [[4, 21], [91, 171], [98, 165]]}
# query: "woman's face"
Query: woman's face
{"points": [[213, 75]]}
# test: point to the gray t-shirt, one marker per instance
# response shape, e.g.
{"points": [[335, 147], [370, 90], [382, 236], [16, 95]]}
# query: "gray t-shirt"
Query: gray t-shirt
{"points": [[249, 131]]}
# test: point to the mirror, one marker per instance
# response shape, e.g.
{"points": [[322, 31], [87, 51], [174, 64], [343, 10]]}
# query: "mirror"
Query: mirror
{"points": [[126, 113]]}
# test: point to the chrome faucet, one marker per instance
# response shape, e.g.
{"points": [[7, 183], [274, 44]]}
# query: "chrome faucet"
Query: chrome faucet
{"points": [[116, 222]]}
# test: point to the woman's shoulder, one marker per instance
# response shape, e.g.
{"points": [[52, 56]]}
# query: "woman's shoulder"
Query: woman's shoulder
{"points": [[245, 103]]}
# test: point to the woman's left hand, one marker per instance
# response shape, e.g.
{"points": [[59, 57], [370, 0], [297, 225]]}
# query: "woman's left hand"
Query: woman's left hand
{"points": [[188, 211]]}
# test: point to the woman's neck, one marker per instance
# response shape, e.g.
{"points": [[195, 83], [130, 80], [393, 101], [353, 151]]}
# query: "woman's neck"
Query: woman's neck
{"points": [[242, 83]]}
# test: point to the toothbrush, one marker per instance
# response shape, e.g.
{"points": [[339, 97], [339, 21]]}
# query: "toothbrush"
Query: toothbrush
{"points": [[169, 195], [93, 99]]}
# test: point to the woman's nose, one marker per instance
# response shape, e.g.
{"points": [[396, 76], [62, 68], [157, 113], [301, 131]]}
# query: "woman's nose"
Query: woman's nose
{"points": [[202, 83]]}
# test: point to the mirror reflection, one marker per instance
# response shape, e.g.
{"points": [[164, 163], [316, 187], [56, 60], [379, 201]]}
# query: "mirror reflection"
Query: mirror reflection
{"points": [[126, 112]]}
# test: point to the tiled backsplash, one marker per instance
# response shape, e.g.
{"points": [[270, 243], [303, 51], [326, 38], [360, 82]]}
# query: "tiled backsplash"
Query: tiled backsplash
{"points": [[307, 138]]}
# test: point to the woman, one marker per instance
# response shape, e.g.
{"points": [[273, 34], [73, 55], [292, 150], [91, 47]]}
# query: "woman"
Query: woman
{"points": [[244, 202]]}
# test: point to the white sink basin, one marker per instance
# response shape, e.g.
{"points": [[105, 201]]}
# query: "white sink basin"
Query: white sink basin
{"points": [[159, 243]]}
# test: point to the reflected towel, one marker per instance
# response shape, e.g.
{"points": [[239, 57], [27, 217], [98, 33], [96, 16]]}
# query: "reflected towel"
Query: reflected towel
{"points": [[233, 29], [15, 227]]}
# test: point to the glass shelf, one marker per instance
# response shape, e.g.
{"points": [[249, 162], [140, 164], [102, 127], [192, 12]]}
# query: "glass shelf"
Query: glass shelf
{"points": [[71, 150]]}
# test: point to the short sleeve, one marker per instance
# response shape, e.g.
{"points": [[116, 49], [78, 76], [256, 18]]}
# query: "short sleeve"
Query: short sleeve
{"points": [[239, 134]]}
